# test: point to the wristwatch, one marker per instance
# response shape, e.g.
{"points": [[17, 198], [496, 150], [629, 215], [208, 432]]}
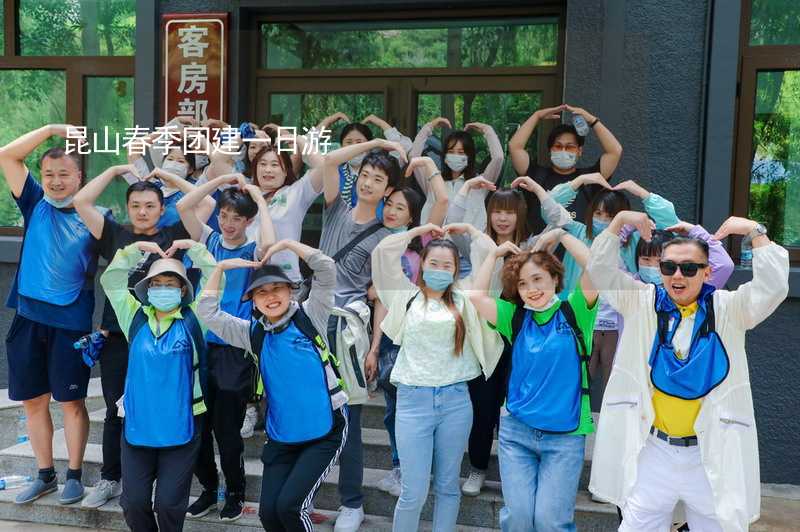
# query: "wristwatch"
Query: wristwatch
{"points": [[758, 230]]}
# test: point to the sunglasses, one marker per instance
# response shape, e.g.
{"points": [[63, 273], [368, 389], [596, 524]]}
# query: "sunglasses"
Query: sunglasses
{"points": [[688, 269]]}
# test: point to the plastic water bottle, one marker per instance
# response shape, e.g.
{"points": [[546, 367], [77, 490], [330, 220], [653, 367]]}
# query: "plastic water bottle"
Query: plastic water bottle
{"points": [[13, 481], [22, 429], [221, 497], [746, 253], [580, 125]]}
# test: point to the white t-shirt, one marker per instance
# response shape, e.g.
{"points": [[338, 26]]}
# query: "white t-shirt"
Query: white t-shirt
{"points": [[288, 208]]}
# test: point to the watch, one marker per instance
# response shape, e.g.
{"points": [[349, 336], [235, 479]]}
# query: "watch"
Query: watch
{"points": [[758, 230]]}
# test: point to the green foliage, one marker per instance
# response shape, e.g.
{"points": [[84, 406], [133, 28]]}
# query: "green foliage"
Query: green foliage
{"points": [[77, 27], [775, 22], [306, 110]]}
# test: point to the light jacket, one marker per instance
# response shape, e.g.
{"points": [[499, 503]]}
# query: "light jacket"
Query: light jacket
{"points": [[395, 291], [725, 426]]}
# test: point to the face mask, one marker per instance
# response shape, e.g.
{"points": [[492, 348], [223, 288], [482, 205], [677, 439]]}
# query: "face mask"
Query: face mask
{"points": [[553, 301], [58, 204], [598, 226], [395, 230], [650, 274], [175, 168], [437, 280], [455, 162], [164, 298], [201, 161], [356, 161], [563, 159]]}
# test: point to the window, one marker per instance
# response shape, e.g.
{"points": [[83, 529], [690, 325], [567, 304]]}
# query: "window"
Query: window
{"points": [[767, 171], [92, 87]]}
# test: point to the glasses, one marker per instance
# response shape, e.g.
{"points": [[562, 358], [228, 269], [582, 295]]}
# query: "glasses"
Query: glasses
{"points": [[688, 269], [569, 148]]}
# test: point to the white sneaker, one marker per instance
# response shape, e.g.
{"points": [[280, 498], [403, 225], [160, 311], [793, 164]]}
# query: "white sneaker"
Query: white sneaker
{"points": [[391, 482], [104, 491], [249, 423], [474, 483], [349, 519]]}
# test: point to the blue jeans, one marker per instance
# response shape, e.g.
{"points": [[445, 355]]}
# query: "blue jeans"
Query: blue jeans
{"points": [[540, 473], [432, 427]]}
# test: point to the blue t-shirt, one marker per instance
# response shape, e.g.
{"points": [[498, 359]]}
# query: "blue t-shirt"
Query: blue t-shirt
{"points": [[170, 216], [60, 289], [235, 280]]}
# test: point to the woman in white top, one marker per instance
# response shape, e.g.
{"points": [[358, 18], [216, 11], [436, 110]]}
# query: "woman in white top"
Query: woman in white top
{"points": [[459, 165], [444, 344]]}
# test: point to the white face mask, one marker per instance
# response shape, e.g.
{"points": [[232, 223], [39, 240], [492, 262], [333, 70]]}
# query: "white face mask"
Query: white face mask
{"points": [[455, 162], [59, 204], [553, 301], [175, 168], [563, 159]]}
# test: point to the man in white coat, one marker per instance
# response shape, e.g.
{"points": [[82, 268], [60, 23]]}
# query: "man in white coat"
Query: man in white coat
{"points": [[677, 421]]}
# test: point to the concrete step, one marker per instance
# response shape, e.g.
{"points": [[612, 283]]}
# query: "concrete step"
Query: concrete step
{"points": [[480, 511], [110, 517], [11, 410]]}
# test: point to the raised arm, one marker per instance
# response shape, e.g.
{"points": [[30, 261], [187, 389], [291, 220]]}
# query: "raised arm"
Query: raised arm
{"points": [[479, 294], [435, 185], [612, 149], [201, 259], [578, 250], [203, 208], [344, 154], [329, 120], [553, 212], [13, 154], [232, 329], [387, 270], [84, 200], [495, 166], [389, 132], [661, 210], [516, 146], [187, 205], [419, 146], [266, 230], [718, 259]]}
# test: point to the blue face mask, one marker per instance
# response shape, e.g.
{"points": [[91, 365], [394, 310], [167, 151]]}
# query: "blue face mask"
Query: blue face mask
{"points": [[395, 230], [598, 226], [58, 204], [164, 298], [650, 274], [437, 280]]}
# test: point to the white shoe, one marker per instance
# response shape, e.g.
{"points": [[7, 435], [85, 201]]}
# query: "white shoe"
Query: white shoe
{"points": [[474, 483], [391, 482], [104, 491], [349, 519], [249, 423]]}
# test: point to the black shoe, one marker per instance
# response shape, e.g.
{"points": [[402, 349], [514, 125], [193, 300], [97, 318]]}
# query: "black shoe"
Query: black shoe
{"points": [[203, 504], [234, 507]]}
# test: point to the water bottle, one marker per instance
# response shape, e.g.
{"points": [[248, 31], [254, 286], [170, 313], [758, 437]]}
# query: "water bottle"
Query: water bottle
{"points": [[22, 429], [580, 125], [746, 254], [221, 497], [13, 481]]}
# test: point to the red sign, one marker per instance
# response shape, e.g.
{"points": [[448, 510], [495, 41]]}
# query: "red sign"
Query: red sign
{"points": [[195, 65]]}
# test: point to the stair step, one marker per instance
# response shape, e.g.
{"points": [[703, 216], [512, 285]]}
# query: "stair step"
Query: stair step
{"points": [[480, 511]]}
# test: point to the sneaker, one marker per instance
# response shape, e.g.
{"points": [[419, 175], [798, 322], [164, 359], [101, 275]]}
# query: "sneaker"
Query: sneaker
{"points": [[249, 423], [72, 492], [391, 482], [104, 491], [203, 504], [474, 483], [349, 519], [234, 507], [34, 490]]}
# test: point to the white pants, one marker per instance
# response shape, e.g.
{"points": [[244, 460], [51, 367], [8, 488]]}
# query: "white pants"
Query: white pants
{"points": [[668, 474]]}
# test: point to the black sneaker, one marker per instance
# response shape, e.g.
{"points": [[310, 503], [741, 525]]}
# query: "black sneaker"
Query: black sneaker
{"points": [[234, 507], [203, 504]]}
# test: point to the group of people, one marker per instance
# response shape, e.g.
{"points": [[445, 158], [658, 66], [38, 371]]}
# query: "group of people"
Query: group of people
{"points": [[474, 307]]}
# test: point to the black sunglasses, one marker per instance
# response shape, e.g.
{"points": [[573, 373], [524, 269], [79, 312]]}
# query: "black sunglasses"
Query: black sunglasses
{"points": [[688, 269]]}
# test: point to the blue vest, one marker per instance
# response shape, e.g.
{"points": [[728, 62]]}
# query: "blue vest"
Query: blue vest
{"points": [[707, 363], [236, 281], [58, 258], [171, 215], [159, 387], [545, 382], [299, 405]]}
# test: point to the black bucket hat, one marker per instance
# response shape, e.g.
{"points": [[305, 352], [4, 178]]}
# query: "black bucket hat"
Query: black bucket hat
{"points": [[269, 273]]}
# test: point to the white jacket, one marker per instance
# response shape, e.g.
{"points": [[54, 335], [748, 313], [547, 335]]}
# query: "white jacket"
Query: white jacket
{"points": [[725, 426], [352, 345]]}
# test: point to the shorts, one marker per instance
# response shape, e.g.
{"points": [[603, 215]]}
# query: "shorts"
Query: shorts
{"points": [[41, 360]]}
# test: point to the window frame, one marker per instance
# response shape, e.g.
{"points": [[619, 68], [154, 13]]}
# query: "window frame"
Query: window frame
{"points": [[76, 69], [752, 60]]}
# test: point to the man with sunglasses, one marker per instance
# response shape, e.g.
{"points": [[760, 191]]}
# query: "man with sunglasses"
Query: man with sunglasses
{"points": [[565, 147], [677, 420]]}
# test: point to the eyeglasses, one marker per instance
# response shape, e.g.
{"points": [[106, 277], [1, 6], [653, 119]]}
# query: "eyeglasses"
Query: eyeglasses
{"points": [[688, 269], [569, 148]]}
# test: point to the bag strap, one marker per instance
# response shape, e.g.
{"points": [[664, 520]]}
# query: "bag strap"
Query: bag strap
{"points": [[517, 320], [139, 321], [372, 229], [304, 324], [583, 353], [257, 334], [199, 341], [408, 304]]}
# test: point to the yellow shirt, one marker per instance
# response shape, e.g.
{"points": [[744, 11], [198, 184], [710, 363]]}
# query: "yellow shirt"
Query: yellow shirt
{"points": [[676, 416]]}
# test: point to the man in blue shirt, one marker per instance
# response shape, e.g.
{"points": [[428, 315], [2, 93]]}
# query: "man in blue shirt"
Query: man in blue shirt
{"points": [[53, 295]]}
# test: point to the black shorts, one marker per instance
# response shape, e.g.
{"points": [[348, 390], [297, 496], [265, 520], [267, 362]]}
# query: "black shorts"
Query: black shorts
{"points": [[41, 360]]}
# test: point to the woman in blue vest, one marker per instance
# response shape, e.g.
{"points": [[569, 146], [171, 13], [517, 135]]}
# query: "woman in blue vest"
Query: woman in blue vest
{"points": [[306, 426], [163, 395], [547, 415]]}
